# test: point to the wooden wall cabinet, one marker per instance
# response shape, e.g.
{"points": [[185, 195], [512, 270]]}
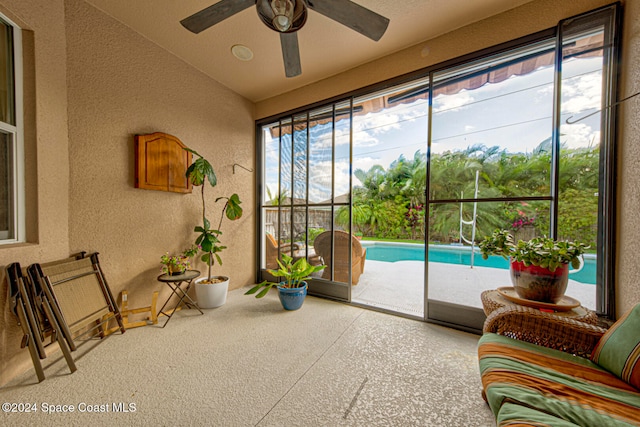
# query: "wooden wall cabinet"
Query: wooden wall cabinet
{"points": [[161, 163]]}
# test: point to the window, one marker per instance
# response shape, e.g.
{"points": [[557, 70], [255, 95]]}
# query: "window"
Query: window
{"points": [[517, 137], [11, 134]]}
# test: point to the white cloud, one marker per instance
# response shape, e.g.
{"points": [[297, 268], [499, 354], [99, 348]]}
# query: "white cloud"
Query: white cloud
{"points": [[365, 139], [376, 123], [578, 135], [321, 142], [320, 180], [581, 93], [442, 103]]}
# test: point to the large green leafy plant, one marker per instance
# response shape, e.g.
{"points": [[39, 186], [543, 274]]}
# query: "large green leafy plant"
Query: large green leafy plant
{"points": [[294, 275], [540, 251], [198, 173]]}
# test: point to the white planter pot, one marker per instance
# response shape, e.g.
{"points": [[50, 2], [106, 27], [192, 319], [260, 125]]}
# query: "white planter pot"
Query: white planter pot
{"points": [[211, 295]]}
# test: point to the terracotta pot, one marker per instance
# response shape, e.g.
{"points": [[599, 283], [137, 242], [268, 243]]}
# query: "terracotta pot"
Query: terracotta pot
{"points": [[174, 270], [538, 283]]}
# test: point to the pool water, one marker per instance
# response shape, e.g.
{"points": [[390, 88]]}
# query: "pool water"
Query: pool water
{"points": [[460, 255]]}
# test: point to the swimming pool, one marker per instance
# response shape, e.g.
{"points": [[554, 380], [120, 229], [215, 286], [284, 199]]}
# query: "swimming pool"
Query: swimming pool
{"points": [[460, 255]]}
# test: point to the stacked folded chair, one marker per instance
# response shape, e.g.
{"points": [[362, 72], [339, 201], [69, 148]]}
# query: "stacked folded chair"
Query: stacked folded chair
{"points": [[63, 300]]}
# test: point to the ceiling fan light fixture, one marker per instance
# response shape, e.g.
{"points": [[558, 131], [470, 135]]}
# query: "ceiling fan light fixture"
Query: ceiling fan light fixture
{"points": [[283, 16]]}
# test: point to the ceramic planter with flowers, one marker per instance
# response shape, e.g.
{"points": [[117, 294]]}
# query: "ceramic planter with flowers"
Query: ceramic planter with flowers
{"points": [[178, 264], [539, 267], [211, 291]]}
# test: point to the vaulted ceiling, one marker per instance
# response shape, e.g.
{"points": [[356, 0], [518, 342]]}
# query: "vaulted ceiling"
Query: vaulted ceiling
{"points": [[326, 47]]}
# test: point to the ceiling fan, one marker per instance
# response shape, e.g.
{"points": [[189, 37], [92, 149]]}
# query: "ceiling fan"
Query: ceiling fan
{"points": [[288, 16]]}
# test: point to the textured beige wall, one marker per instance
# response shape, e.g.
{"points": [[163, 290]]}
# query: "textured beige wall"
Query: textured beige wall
{"points": [[628, 234], [532, 17], [120, 84], [98, 84], [47, 161]]}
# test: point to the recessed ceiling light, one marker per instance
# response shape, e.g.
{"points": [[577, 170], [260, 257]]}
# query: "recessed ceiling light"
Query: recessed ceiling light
{"points": [[241, 52]]}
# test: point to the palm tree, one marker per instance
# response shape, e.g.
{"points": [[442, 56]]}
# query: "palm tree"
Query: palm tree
{"points": [[278, 199], [415, 186], [371, 181]]}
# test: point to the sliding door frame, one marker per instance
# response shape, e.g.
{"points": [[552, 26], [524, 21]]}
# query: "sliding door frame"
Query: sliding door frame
{"points": [[469, 318]]}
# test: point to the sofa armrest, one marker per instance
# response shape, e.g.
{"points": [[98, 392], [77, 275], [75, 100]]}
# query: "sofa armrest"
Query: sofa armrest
{"points": [[545, 329]]}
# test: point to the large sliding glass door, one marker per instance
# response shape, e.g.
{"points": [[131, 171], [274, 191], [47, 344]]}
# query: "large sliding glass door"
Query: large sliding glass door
{"points": [[518, 143], [490, 168], [306, 194], [392, 189], [353, 194], [586, 99], [390, 141]]}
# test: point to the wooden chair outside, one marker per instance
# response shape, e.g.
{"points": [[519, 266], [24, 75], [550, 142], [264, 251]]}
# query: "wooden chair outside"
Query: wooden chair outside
{"points": [[275, 249], [340, 265]]}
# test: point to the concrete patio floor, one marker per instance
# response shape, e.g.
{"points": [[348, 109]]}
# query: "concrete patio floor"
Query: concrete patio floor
{"points": [[398, 286]]}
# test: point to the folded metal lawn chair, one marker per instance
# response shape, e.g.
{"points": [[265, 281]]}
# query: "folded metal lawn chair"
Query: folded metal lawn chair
{"points": [[83, 301], [35, 315]]}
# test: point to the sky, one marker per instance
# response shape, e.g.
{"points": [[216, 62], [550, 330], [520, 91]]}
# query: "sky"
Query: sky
{"points": [[514, 114]]}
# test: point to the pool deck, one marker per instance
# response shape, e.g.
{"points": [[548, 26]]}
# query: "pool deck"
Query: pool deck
{"points": [[398, 286]]}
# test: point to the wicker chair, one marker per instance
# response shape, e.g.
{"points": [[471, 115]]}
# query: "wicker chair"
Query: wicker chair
{"points": [[273, 248], [342, 241], [545, 329]]}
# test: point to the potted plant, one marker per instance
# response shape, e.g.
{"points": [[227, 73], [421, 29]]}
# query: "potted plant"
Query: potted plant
{"points": [[293, 288], [178, 264], [211, 291], [539, 267]]}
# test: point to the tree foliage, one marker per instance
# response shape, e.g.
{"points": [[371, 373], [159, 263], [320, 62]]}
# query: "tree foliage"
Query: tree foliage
{"points": [[390, 203]]}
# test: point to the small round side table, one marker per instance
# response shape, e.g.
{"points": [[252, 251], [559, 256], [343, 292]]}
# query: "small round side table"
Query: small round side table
{"points": [[175, 284]]}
